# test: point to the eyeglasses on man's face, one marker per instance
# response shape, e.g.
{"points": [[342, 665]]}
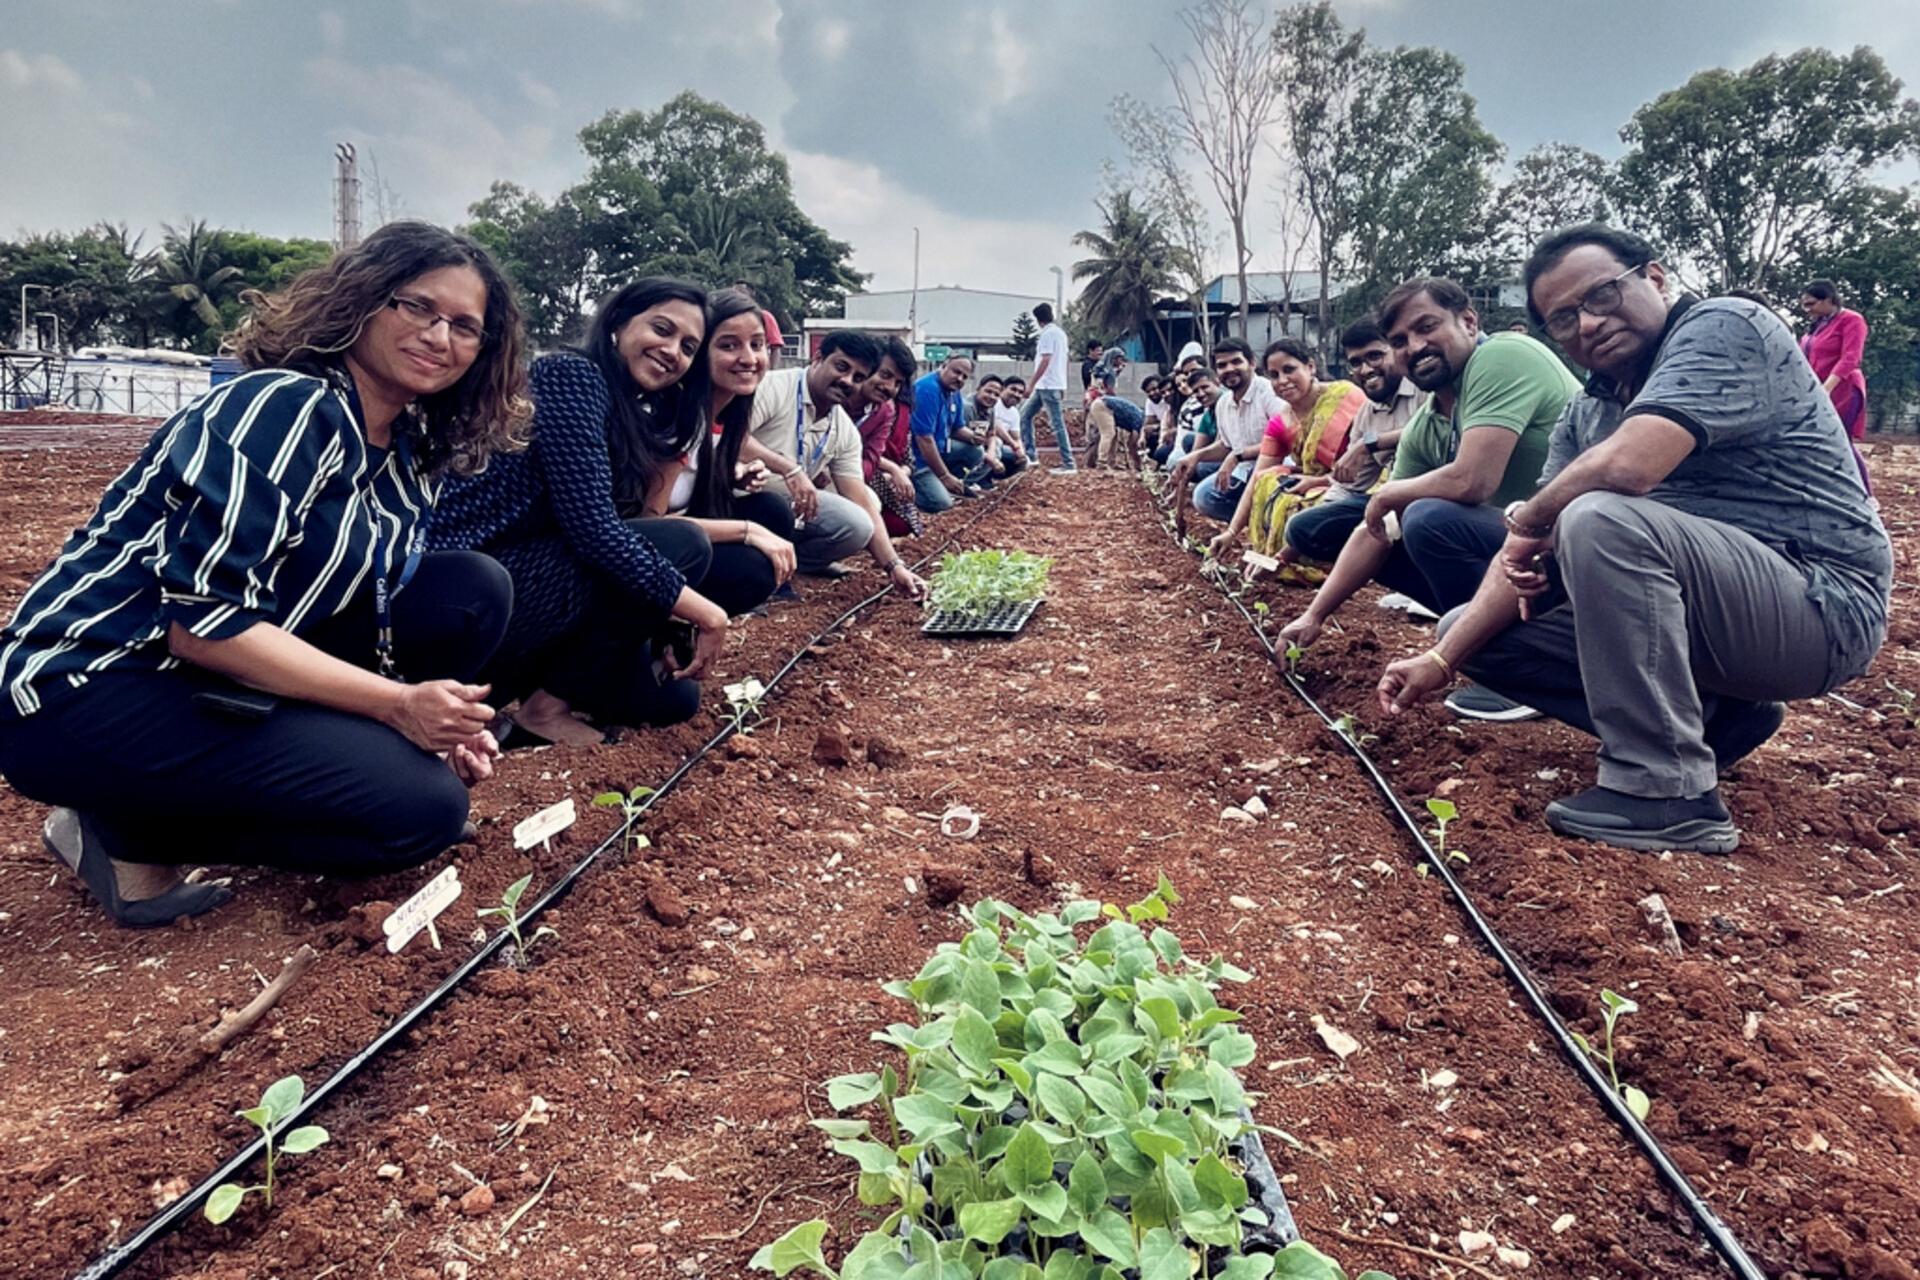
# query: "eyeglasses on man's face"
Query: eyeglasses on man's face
{"points": [[1601, 300], [462, 330]]}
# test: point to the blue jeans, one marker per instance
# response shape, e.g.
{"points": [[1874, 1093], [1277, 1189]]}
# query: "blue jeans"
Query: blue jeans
{"points": [[1216, 502], [836, 531], [1443, 552], [929, 494], [1050, 401], [1321, 530]]}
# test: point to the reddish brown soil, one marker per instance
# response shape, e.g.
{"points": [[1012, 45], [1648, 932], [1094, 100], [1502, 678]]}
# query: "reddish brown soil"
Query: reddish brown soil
{"points": [[681, 1063]]}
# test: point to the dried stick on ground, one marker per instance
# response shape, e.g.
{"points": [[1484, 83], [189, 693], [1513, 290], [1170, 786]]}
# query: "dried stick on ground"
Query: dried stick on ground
{"points": [[236, 1024]]}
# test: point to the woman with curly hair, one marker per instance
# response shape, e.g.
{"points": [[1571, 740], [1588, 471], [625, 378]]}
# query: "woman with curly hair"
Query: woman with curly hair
{"points": [[245, 656]]}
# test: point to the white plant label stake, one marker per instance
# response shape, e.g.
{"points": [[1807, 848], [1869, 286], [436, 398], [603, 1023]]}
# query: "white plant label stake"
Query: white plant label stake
{"points": [[543, 826], [1254, 560], [418, 912]]}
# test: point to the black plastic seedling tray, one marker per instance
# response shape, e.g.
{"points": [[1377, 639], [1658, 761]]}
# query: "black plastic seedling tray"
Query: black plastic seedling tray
{"points": [[1001, 620]]}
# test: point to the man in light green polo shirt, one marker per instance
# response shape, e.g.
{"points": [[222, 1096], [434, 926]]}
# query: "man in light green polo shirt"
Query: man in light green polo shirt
{"points": [[1480, 442]]}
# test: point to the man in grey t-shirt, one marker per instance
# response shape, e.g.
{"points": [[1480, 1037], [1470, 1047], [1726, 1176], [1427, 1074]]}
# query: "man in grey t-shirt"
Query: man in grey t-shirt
{"points": [[1701, 546]]}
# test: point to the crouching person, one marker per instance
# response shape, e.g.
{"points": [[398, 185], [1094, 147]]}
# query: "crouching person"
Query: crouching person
{"points": [[1702, 549], [211, 671]]}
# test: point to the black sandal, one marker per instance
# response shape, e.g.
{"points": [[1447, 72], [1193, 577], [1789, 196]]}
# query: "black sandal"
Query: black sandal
{"points": [[70, 837]]}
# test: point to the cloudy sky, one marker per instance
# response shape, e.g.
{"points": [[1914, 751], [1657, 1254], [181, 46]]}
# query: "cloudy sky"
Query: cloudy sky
{"points": [[982, 123]]}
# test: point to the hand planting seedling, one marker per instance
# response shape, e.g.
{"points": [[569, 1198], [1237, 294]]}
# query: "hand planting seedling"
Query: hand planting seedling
{"points": [[631, 805], [976, 582], [1444, 813], [509, 912], [744, 700], [281, 1100], [1069, 1108], [1614, 1007]]}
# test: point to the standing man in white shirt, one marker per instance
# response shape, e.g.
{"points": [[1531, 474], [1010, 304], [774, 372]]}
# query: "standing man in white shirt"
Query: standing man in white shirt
{"points": [[1049, 381]]}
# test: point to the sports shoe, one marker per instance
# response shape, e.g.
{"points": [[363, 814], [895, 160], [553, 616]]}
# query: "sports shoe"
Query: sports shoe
{"points": [[1477, 702], [1737, 729], [1406, 604], [1697, 825], [1063, 471]]}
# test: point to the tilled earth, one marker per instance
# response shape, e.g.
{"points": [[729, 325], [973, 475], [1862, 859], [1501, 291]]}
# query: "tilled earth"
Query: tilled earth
{"points": [[700, 988]]}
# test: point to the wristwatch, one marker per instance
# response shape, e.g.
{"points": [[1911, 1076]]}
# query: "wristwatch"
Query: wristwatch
{"points": [[1511, 516]]}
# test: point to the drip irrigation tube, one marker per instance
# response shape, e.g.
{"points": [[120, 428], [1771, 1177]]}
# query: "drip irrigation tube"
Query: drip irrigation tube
{"points": [[1717, 1232], [121, 1256]]}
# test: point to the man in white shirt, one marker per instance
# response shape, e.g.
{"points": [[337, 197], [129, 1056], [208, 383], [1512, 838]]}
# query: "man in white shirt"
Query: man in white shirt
{"points": [[801, 431], [1049, 381], [1006, 423], [1240, 416]]}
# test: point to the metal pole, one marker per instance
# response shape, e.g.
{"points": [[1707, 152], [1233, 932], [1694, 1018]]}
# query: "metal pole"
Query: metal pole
{"points": [[24, 318], [1059, 293], [913, 303]]}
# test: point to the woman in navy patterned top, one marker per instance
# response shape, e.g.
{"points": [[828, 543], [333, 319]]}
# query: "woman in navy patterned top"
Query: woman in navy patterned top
{"points": [[596, 582], [201, 676]]}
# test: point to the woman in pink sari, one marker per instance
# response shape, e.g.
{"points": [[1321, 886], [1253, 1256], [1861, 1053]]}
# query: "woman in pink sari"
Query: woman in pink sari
{"points": [[1833, 348]]}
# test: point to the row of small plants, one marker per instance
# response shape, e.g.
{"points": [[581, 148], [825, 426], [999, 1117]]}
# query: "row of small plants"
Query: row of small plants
{"points": [[1064, 1109]]}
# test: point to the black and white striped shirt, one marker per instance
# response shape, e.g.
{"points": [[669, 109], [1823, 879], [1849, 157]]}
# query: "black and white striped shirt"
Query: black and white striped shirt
{"points": [[259, 502]]}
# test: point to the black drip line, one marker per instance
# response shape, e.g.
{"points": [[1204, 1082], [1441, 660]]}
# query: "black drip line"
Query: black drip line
{"points": [[169, 1219], [1717, 1232]]}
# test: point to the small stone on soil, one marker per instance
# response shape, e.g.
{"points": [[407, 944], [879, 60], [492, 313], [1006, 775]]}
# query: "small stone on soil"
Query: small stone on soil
{"points": [[833, 746], [1233, 813], [477, 1203], [666, 905], [944, 885]]}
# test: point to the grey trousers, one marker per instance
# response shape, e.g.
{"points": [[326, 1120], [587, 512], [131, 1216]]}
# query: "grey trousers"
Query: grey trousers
{"points": [[836, 531], [1667, 620]]}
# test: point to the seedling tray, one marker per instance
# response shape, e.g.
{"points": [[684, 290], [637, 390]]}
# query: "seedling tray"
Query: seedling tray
{"points": [[1001, 620]]}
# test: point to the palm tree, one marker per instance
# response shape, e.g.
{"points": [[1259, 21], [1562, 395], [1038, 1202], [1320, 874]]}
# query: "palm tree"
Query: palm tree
{"points": [[187, 267], [722, 240], [1134, 264]]}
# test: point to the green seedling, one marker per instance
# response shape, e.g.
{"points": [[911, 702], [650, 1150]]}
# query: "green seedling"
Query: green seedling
{"points": [[1064, 1108], [1444, 813], [1349, 728], [509, 913], [1902, 698], [1614, 1007], [631, 805], [1261, 608], [1293, 655], [744, 701], [974, 582], [281, 1100]]}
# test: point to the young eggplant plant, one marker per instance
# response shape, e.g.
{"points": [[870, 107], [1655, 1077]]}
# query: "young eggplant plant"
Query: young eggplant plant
{"points": [[1614, 1007], [1444, 813], [509, 913], [1293, 655], [744, 700], [631, 805], [281, 1100], [1349, 728]]}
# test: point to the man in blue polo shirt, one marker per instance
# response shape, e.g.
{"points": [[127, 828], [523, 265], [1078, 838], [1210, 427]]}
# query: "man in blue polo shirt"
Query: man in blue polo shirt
{"points": [[941, 463]]}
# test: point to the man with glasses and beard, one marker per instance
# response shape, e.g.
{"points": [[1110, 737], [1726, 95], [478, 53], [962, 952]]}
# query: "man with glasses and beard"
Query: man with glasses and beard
{"points": [[1702, 547], [1478, 444]]}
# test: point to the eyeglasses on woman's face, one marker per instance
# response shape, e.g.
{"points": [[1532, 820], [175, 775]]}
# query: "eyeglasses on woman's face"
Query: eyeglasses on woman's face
{"points": [[462, 331]]}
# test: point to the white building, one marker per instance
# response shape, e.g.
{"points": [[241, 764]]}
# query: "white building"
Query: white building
{"points": [[977, 321]]}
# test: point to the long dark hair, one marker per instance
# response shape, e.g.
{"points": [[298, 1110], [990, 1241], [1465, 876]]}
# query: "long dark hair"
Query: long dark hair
{"points": [[713, 491], [646, 432], [309, 325]]}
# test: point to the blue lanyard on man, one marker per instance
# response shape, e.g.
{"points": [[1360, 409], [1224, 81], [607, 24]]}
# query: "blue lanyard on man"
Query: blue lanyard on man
{"points": [[382, 597], [807, 462]]}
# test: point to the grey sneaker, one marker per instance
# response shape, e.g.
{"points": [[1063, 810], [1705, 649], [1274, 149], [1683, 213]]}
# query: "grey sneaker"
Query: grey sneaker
{"points": [[1697, 825], [1477, 702], [1063, 471]]}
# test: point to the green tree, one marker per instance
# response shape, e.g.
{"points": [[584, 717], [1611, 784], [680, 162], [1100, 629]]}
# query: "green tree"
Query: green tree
{"points": [[1152, 141], [1554, 185], [545, 250], [1026, 336], [189, 268], [1131, 268], [1737, 173], [1389, 158], [1872, 252], [98, 282]]}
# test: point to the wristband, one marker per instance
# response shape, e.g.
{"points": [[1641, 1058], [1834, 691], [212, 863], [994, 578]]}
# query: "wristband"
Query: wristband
{"points": [[1439, 661]]}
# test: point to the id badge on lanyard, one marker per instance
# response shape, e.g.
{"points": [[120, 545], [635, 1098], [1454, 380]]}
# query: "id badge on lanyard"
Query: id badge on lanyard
{"points": [[808, 462], [382, 595]]}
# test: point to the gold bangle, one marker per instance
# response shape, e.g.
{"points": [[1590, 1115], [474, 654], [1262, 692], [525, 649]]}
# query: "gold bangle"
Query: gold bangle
{"points": [[1440, 662]]}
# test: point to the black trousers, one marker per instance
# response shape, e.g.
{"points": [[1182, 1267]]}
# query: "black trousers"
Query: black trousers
{"points": [[169, 779], [596, 648]]}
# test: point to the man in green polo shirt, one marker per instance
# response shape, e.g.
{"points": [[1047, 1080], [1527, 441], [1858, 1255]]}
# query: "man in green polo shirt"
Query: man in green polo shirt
{"points": [[1479, 443]]}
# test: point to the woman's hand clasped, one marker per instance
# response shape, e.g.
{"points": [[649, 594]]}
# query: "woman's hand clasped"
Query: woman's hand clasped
{"points": [[440, 715]]}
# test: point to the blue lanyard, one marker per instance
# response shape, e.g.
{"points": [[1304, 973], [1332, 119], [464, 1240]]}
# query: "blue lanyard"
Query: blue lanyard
{"points": [[807, 462], [382, 597]]}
